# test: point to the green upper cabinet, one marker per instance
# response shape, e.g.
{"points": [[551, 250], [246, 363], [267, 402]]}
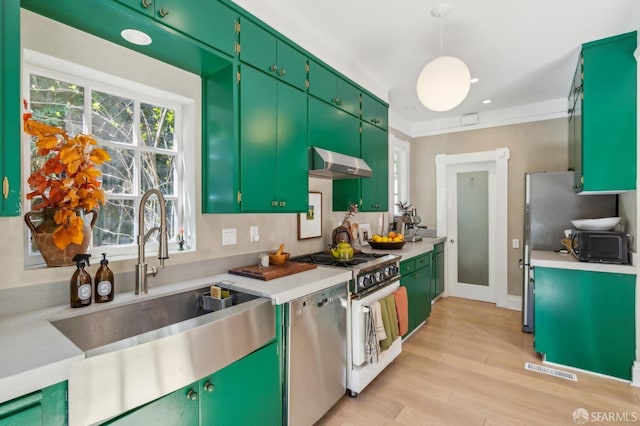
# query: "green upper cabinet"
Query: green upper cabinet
{"points": [[10, 129], [586, 319], [269, 54], [209, 22], [374, 112], [326, 85], [46, 407], [333, 129], [604, 146], [273, 145], [375, 152]]}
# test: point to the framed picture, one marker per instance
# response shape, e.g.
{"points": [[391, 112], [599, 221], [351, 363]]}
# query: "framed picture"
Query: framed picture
{"points": [[364, 233], [310, 223]]}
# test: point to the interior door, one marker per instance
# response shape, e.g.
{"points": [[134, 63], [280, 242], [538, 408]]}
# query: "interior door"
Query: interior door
{"points": [[471, 200]]}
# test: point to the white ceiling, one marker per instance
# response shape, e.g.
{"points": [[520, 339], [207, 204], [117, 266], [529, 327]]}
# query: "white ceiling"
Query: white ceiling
{"points": [[523, 52]]}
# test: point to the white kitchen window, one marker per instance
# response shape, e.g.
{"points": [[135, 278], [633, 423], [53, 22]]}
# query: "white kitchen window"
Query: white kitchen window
{"points": [[400, 171], [141, 129]]}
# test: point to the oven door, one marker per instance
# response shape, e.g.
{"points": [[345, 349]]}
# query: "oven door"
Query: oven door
{"points": [[358, 311]]}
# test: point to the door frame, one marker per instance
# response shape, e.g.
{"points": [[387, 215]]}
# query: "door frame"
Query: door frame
{"points": [[500, 157]]}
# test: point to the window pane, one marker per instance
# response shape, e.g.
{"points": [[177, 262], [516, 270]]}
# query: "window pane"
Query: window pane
{"points": [[112, 117], [115, 224], [158, 171], [118, 174], [57, 103], [157, 126], [152, 217]]}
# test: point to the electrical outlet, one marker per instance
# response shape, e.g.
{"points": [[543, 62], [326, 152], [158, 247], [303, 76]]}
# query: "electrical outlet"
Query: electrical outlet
{"points": [[229, 237], [254, 234], [515, 243]]}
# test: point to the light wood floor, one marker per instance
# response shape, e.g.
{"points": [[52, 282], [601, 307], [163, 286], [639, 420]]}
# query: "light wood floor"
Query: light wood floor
{"points": [[466, 367]]}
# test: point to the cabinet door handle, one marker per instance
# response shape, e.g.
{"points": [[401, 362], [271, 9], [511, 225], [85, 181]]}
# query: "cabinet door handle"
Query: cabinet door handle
{"points": [[146, 3], [283, 203], [274, 203], [282, 72], [5, 187], [192, 395], [273, 67], [164, 12], [208, 386]]}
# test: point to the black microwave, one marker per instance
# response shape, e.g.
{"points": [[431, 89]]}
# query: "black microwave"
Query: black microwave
{"points": [[601, 247]]}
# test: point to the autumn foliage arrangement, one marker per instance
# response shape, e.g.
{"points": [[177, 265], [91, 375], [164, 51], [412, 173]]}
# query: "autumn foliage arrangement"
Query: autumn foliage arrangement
{"points": [[68, 178]]}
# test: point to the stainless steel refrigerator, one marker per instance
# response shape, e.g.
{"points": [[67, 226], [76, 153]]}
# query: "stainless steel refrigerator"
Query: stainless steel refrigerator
{"points": [[550, 205]]}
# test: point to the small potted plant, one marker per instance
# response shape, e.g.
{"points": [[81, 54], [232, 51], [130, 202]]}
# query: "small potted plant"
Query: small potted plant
{"points": [[63, 189]]}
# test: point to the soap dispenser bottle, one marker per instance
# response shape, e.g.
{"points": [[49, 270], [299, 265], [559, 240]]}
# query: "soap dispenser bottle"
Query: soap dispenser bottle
{"points": [[104, 288], [80, 285]]}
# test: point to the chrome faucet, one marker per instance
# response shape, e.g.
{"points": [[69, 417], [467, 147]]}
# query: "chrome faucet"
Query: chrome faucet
{"points": [[163, 248]]}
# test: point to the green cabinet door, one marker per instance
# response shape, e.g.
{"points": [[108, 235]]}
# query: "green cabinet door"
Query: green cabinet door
{"points": [[293, 154], [326, 85], [438, 270], [416, 277], [607, 161], [333, 129], [586, 319], [258, 141], [374, 112], [269, 54], [245, 393], [375, 152], [177, 408], [10, 128], [46, 407], [210, 22], [273, 148]]}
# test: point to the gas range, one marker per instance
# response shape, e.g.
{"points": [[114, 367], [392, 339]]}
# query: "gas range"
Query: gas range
{"points": [[370, 270]]}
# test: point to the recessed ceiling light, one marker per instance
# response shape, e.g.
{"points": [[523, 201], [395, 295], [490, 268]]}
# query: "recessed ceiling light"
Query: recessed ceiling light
{"points": [[475, 80], [486, 101], [135, 37]]}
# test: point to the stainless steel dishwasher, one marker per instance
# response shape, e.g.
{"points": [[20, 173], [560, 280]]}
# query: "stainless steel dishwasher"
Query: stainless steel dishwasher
{"points": [[316, 354]]}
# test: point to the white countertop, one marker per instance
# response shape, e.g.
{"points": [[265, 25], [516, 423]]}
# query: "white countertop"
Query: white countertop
{"points": [[550, 259], [36, 355]]}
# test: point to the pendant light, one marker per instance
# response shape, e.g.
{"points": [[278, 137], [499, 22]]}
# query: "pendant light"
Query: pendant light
{"points": [[445, 81]]}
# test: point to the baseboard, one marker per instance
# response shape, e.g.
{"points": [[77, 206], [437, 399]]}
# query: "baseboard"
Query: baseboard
{"points": [[514, 302], [635, 374]]}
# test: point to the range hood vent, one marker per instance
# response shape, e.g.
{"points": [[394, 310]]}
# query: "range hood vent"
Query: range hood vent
{"points": [[333, 165]]}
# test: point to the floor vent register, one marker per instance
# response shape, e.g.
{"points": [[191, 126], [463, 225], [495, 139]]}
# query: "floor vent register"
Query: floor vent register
{"points": [[550, 371]]}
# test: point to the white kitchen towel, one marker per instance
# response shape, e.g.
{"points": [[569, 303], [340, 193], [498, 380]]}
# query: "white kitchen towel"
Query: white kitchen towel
{"points": [[371, 344], [377, 317]]}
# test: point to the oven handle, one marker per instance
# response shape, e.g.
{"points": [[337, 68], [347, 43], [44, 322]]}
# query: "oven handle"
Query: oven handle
{"points": [[376, 289]]}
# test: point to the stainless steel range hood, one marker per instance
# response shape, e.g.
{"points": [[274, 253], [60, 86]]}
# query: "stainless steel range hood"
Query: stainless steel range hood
{"points": [[333, 165]]}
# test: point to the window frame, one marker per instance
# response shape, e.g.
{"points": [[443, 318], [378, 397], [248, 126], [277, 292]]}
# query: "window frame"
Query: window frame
{"points": [[56, 68]]}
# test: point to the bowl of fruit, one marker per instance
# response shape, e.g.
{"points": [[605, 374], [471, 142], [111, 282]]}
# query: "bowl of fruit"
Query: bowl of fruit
{"points": [[391, 241]]}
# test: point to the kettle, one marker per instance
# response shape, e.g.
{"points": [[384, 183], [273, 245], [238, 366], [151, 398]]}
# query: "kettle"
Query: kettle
{"points": [[341, 234], [342, 252]]}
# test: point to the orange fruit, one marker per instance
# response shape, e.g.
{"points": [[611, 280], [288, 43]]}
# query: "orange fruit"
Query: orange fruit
{"points": [[392, 234]]}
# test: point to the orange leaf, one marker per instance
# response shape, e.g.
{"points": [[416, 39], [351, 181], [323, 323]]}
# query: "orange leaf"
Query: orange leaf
{"points": [[99, 156]]}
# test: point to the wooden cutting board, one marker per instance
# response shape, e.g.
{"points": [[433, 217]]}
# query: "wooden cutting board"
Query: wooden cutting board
{"points": [[272, 271]]}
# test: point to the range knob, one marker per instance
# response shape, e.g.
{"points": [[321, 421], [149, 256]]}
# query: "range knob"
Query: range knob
{"points": [[364, 281], [379, 276], [393, 270]]}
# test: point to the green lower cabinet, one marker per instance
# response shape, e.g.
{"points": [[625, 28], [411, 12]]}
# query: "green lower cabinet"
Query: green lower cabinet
{"points": [[178, 408], [247, 392], [586, 319], [437, 269], [273, 148], [46, 407], [416, 277]]}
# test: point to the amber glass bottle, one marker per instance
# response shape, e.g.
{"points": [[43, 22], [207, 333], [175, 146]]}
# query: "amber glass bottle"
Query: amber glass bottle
{"points": [[104, 288], [80, 285]]}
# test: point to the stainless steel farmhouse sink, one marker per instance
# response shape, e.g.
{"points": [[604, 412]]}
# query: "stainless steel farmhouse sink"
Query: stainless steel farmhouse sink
{"points": [[139, 352]]}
